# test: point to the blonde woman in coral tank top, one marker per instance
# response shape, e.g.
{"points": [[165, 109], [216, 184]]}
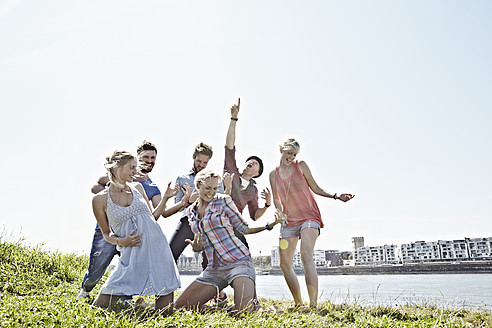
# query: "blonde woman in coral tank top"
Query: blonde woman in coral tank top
{"points": [[292, 188]]}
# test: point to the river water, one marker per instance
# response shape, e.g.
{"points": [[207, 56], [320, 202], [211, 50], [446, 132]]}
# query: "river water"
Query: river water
{"points": [[472, 291]]}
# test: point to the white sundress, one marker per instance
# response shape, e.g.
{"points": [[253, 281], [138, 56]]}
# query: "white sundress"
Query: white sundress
{"points": [[148, 269]]}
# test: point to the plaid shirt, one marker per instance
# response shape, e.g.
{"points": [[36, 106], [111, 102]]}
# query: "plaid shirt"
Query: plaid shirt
{"points": [[216, 226]]}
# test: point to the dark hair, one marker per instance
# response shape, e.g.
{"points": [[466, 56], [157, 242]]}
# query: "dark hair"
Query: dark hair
{"points": [[146, 145], [256, 158], [204, 149]]}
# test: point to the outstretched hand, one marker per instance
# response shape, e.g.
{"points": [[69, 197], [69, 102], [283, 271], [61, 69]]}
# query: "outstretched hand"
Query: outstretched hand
{"points": [[280, 217], [345, 197], [266, 195], [197, 244], [235, 108], [194, 196], [227, 180], [186, 189], [171, 192]]}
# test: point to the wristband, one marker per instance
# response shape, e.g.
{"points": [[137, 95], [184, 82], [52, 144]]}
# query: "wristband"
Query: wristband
{"points": [[234, 119], [335, 196], [268, 227]]}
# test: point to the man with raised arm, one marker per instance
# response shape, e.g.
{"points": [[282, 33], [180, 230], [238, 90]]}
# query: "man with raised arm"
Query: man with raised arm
{"points": [[244, 192]]}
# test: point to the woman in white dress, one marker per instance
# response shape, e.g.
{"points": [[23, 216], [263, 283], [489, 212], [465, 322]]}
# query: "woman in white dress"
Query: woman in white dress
{"points": [[124, 214]]}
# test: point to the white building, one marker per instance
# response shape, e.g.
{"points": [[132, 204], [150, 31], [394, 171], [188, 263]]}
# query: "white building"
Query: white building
{"points": [[319, 257], [376, 255], [189, 263], [453, 249], [420, 251], [297, 263], [275, 257], [479, 248]]}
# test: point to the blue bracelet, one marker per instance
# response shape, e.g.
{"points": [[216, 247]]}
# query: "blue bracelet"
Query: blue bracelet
{"points": [[268, 227]]}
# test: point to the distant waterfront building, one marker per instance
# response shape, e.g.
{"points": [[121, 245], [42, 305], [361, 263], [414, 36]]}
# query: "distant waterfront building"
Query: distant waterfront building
{"points": [[336, 258], [479, 248], [275, 256], [357, 242], [322, 258], [468, 249], [453, 249], [319, 258], [193, 263], [376, 255], [420, 251]]}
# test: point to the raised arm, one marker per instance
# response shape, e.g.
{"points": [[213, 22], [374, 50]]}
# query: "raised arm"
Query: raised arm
{"points": [[181, 205], [303, 167], [231, 132], [170, 192]]}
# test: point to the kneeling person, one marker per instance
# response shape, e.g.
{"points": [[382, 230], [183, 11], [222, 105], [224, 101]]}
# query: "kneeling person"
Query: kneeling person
{"points": [[213, 218]]}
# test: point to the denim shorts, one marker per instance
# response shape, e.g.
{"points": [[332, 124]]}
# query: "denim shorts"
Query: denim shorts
{"points": [[224, 275], [289, 232]]}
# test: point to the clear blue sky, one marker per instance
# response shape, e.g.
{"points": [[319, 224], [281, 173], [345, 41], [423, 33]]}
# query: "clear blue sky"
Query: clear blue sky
{"points": [[390, 100]]}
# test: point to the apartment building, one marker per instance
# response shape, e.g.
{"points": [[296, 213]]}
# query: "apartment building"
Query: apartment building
{"points": [[479, 248], [453, 249], [419, 252], [275, 256], [193, 263], [376, 255]]}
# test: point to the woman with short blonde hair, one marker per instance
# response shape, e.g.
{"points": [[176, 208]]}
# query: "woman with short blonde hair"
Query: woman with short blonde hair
{"points": [[292, 189]]}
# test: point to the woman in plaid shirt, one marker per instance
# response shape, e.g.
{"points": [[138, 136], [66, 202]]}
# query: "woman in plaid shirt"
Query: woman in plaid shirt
{"points": [[213, 218]]}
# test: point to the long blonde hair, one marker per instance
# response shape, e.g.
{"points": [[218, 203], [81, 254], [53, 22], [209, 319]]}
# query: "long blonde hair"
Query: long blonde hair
{"points": [[115, 161]]}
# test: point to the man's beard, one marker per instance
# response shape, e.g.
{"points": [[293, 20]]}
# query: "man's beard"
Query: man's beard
{"points": [[146, 168]]}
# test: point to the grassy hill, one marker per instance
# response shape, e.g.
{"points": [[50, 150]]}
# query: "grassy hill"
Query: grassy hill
{"points": [[38, 289]]}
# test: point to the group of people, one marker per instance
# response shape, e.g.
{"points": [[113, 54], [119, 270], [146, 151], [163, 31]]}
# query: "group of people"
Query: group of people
{"points": [[128, 204]]}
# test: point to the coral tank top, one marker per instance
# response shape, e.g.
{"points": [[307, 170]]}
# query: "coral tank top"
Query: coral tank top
{"points": [[297, 198]]}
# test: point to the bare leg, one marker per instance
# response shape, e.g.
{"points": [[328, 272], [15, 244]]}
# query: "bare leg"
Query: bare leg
{"points": [[106, 300], [286, 258], [244, 294], [308, 239], [195, 296], [165, 302]]}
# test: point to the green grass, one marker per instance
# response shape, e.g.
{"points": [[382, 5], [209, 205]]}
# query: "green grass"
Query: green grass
{"points": [[38, 290]]}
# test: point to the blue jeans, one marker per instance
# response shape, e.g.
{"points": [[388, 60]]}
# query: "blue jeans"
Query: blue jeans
{"points": [[102, 254]]}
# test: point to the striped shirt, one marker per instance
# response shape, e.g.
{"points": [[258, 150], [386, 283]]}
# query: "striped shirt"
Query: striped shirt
{"points": [[217, 228]]}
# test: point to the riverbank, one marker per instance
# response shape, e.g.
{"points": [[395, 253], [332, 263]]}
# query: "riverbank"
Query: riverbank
{"points": [[38, 289]]}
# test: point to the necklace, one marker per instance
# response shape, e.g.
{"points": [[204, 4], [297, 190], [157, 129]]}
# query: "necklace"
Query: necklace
{"points": [[288, 190]]}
